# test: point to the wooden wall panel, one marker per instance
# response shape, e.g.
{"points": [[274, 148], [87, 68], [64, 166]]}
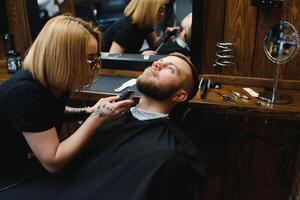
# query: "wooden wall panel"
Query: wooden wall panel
{"points": [[240, 25], [18, 24], [3, 28], [2, 53], [212, 25], [246, 26], [261, 65], [291, 13]]}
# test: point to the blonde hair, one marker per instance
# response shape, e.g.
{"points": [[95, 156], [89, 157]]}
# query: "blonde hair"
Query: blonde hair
{"points": [[143, 12], [57, 58]]}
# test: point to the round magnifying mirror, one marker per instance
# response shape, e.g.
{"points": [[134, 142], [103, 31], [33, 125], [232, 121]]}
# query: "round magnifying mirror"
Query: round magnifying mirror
{"points": [[281, 44]]}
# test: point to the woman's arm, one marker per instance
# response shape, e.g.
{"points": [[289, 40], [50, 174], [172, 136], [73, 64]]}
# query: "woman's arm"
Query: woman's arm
{"points": [[53, 154], [72, 114], [116, 48], [154, 41]]}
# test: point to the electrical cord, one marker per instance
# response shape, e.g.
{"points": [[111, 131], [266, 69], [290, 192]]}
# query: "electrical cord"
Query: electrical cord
{"points": [[20, 182]]}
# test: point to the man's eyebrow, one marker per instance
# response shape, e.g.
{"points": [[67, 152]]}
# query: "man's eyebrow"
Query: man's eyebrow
{"points": [[169, 62], [177, 68]]}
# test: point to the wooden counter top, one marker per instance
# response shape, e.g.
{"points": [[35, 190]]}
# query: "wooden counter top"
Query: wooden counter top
{"points": [[214, 102], [3, 74]]}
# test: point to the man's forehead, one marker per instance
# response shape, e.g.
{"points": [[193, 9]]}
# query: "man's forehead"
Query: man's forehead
{"points": [[173, 59], [180, 63]]}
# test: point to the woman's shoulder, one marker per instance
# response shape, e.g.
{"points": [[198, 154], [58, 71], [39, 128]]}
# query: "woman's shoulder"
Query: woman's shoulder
{"points": [[25, 78], [126, 23], [123, 24], [22, 83]]}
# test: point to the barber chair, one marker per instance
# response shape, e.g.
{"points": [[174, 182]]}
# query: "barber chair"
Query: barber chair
{"points": [[86, 10], [109, 12], [102, 12]]}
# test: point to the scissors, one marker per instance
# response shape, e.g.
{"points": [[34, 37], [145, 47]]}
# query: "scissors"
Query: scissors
{"points": [[226, 97]]}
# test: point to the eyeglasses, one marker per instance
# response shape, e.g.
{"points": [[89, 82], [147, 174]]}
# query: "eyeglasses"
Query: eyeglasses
{"points": [[93, 63]]}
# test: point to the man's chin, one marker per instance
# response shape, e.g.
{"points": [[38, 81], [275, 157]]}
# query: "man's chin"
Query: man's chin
{"points": [[148, 89]]}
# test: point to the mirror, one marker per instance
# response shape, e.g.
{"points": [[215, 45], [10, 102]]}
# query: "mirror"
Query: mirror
{"points": [[281, 44], [106, 12]]}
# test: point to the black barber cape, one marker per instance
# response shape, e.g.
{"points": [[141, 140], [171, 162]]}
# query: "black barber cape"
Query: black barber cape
{"points": [[127, 159]]}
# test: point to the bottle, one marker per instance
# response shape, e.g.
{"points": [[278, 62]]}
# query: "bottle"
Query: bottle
{"points": [[13, 58]]}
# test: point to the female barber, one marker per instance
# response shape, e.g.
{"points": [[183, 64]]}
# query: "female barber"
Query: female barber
{"points": [[127, 35], [65, 56]]}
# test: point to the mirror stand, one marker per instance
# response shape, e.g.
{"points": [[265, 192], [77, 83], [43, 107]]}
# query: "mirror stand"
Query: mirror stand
{"points": [[281, 44], [273, 97]]}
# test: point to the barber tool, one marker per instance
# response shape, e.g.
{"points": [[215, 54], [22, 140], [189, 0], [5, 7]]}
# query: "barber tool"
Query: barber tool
{"points": [[215, 85], [126, 95], [167, 35], [13, 58], [203, 87], [238, 95], [226, 97], [125, 85], [251, 92], [224, 55]]}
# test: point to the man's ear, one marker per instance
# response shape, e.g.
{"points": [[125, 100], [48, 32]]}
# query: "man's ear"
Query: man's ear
{"points": [[180, 95]]}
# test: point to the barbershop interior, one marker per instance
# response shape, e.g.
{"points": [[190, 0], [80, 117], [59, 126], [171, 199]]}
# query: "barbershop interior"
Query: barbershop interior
{"points": [[150, 99]]}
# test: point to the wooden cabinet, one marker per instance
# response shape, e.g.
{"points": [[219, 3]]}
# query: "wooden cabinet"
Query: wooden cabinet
{"points": [[246, 157], [251, 150]]}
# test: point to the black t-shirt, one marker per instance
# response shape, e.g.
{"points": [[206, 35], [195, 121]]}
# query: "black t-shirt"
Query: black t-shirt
{"points": [[25, 106], [126, 34]]}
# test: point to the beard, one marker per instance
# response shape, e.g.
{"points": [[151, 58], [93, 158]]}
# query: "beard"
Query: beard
{"points": [[148, 87]]}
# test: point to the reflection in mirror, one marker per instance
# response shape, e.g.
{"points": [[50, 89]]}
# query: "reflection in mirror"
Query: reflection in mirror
{"points": [[281, 44], [146, 32], [106, 12]]}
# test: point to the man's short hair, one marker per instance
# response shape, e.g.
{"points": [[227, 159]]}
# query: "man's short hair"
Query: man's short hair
{"points": [[194, 79]]}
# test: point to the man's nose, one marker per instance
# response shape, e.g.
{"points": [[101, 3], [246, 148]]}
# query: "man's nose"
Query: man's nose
{"points": [[158, 65]]}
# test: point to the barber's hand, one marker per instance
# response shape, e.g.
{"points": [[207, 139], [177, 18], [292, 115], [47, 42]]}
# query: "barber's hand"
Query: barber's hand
{"points": [[170, 32], [149, 53], [108, 108], [172, 29]]}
